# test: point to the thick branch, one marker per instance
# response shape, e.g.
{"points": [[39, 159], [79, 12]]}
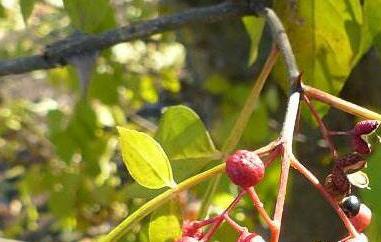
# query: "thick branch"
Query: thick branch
{"points": [[281, 39], [56, 54]]}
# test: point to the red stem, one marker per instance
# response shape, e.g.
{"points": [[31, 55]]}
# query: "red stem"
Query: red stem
{"points": [[315, 182], [323, 128], [261, 210], [275, 233], [220, 218], [233, 224]]}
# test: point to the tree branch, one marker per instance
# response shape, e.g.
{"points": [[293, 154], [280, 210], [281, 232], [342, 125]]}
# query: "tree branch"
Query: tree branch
{"points": [[281, 39], [56, 54]]}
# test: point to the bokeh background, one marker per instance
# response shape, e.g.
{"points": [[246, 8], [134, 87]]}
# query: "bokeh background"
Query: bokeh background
{"points": [[61, 173]]}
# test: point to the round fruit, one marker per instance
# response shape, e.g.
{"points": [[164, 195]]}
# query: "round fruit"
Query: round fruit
{"points": [[245, 168], [350, 206], [362, 219]]}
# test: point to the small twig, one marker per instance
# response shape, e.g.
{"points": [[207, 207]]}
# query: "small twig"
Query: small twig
{"points": [[339, 103], [249, 106], [332, 133], [221, 217], [315, 182], [323, 128], [233, 224], [261, 210]]}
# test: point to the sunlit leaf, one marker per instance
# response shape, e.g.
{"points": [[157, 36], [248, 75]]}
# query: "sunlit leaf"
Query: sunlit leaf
{"points": [[254, 27], [372, 15], [145, 159], [2, 11], [26, 7], [183, 135], [326, 38], [185, 139], [90, 16], [165, 224]]}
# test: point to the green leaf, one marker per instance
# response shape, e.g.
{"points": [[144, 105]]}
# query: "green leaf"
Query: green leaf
{"points": [[254, 27], [183, 135], [26, 7], [185, 139], [145, 159], [2, 11], [372, 16], [326, 38], [165, 224], [90, 16]]}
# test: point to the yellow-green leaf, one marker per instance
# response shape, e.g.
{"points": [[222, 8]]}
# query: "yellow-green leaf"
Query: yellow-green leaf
{"points": [[90, 16], [165, 224], [26, 7], [183, 135], [326, 38], [254, 27], [145, 159]]}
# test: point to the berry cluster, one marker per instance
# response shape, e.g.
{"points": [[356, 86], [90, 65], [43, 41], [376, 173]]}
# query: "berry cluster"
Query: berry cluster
{"points": [[246, 169], [338, 184]]}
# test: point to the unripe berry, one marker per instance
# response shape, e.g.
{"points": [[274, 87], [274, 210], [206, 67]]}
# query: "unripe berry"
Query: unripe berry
{"points": [[360, 238], [250, 237], [365, 127], [350, 206], [245, 168], [362, 219]]}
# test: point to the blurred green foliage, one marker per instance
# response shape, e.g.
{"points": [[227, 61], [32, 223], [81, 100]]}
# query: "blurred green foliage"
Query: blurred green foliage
{"points": [[61, 173]]}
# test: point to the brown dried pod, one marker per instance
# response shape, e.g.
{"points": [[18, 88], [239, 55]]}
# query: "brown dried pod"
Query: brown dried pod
{"points": [[337, 185], [350, 163]]}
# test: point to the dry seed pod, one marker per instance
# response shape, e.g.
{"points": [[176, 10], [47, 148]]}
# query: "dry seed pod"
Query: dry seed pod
{"points": [[350, 163], [337, 185]]}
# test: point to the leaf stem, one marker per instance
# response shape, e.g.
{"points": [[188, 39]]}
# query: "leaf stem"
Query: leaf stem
{"points": [[240, 124], [249, 106], [339, 103], [119, 231]]}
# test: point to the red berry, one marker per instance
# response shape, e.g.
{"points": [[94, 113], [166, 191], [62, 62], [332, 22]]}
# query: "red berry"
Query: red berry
{"points": [[187, 239], [362, 219], [245, 168], [365, 127]]}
